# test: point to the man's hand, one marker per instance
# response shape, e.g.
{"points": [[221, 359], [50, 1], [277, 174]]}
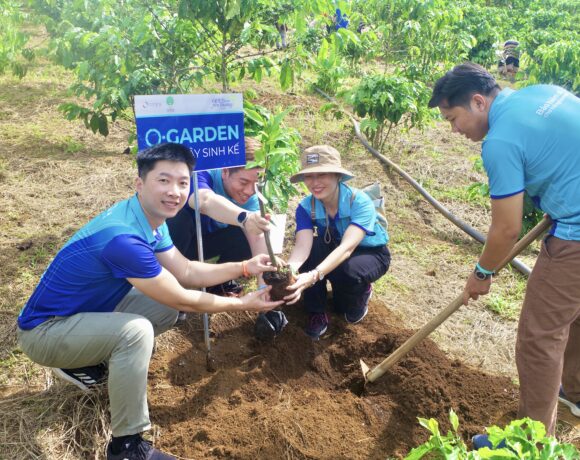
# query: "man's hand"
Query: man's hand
{"points": [[260, 264], [256, 224], [259, 301], [474, 288], [303, 281]]}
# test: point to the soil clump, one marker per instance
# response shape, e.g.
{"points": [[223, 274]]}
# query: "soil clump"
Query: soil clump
{"points": [[279, 280]]}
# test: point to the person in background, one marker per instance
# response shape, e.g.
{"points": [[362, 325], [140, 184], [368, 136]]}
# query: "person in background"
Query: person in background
{"points": [[509, 65], [231, 225], [338, 239], [530, 144], [282, 42], [118, 283]]}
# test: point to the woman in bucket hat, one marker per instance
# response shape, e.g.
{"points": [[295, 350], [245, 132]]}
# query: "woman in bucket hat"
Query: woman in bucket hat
{"points": [[338, 239]]}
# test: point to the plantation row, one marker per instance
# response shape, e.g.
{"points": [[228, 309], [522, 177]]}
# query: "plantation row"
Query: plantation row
{"points": [[378, 57]]}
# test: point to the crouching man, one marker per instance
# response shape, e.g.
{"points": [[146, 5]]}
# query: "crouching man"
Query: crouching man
{"points": [[118, 283]]}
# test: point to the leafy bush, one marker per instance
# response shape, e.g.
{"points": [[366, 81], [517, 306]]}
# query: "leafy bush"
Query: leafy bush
{"points": [[388, 101], [524, 439], [279, 155]]}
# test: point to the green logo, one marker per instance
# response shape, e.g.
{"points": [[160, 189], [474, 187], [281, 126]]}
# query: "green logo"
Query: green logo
{"points": [[169, 100]]}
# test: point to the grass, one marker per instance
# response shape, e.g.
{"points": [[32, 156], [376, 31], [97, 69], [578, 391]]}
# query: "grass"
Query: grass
{"points": [[506, 298]]}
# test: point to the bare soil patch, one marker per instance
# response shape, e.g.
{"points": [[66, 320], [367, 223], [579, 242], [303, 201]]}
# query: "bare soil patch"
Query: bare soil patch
{"points": [[298, 398]]}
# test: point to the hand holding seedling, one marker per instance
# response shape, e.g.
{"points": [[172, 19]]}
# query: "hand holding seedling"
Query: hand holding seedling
{"points": [[260, 264], [258, 301], [303, 281], [256, 224]]}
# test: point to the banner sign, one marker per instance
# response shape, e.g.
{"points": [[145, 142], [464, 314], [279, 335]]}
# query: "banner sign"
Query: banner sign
{"points": [[211, 125]]}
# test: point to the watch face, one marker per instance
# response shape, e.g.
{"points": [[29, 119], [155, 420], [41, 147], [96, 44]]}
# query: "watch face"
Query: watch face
{"points": [[480, 275], [242, 216]]}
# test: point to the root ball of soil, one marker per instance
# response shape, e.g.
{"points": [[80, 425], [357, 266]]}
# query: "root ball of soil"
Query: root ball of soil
{"points": [[279, 280]]}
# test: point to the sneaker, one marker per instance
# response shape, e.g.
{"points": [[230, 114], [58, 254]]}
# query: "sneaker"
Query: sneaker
{"points": [[356, 315], [227, 289], [83, 377], [269, 325], [481, 440], [136, 448], [574, 407], [317, 325]]}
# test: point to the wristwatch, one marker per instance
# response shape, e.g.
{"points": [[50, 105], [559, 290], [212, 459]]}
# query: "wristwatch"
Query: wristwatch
{"points": [[481, 276], [242, 217], [320, 274]]}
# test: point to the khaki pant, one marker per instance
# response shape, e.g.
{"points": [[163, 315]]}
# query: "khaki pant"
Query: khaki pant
{"points": [[548, 342], [123, 338]]}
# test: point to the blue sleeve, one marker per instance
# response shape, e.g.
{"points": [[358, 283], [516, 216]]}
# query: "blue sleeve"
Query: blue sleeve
{"points": [[362, 213], [504, 165], [204, 180], [128, 256], [303, 219], [166, 242]]}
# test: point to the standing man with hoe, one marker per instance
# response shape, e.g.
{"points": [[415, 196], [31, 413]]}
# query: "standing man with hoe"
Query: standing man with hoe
{"points": [[531, 143], [118, 283]]}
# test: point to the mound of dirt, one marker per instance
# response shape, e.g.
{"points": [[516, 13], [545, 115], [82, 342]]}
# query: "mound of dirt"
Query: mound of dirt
{"points": [[304, 399]]}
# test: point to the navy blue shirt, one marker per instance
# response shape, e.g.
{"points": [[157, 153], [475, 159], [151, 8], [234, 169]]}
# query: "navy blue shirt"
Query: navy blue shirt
{"points": [[89, 274], [212, 180]]}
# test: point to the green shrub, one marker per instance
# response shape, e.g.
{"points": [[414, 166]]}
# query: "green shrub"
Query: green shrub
{"points": [[524, 439]]}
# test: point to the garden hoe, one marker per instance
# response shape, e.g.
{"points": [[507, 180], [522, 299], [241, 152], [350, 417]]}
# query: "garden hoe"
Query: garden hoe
{"points": [[373, 374]]}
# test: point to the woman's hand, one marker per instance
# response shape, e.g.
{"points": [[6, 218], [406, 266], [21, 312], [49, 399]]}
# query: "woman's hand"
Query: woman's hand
{"points": [[303, 281]]}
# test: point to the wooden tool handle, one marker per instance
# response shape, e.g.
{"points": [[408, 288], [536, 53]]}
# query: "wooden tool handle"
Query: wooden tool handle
{"points": [[412, 341]]}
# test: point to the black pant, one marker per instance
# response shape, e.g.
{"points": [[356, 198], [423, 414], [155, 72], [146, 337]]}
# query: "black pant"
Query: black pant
{"points": [[230, 243], [350, 280]]}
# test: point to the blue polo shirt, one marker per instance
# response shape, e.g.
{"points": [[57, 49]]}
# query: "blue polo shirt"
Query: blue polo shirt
{"points": [[360, 212], [89, 274], [533, 144], [212, 180]]}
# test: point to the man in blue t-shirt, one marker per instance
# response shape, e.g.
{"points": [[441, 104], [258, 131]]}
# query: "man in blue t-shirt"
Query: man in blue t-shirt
{"points": [[115, 285], [531, 143], [232, 227]]}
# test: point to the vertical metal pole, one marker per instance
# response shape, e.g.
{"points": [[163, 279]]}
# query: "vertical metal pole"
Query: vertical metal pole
{"points": [[201, 259]]}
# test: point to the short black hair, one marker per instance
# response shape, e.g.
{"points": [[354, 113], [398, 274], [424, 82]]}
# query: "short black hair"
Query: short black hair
{"points": [[168, 151], [457, 86]]}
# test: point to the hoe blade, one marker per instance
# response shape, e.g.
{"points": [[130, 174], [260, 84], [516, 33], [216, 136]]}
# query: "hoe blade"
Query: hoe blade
{"points": [[365, 369]]}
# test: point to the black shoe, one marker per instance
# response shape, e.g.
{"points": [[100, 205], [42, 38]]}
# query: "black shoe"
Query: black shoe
{"points": [[269, 325], [228, 289], [83, 377], [136, 448]]}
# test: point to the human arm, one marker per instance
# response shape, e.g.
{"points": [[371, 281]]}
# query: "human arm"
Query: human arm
{"points": [[191, 273], [350, 240], [223, 210], [506, 225], [165, 289]]}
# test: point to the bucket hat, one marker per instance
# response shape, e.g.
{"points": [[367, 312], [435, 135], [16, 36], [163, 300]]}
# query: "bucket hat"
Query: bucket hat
{"points": [[321, 159]]}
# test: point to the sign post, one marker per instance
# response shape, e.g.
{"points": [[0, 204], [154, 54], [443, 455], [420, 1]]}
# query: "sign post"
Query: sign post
{"points": [[211, 125]]}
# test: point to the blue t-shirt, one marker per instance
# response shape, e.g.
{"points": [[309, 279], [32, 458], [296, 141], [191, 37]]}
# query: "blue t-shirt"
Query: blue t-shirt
{"points": [[360, 212], [89, 274], [212, 180], [533, 144]]}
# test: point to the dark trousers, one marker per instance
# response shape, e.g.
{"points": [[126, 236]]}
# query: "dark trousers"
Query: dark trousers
{"points": [[349, 281], [230, 243]]}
